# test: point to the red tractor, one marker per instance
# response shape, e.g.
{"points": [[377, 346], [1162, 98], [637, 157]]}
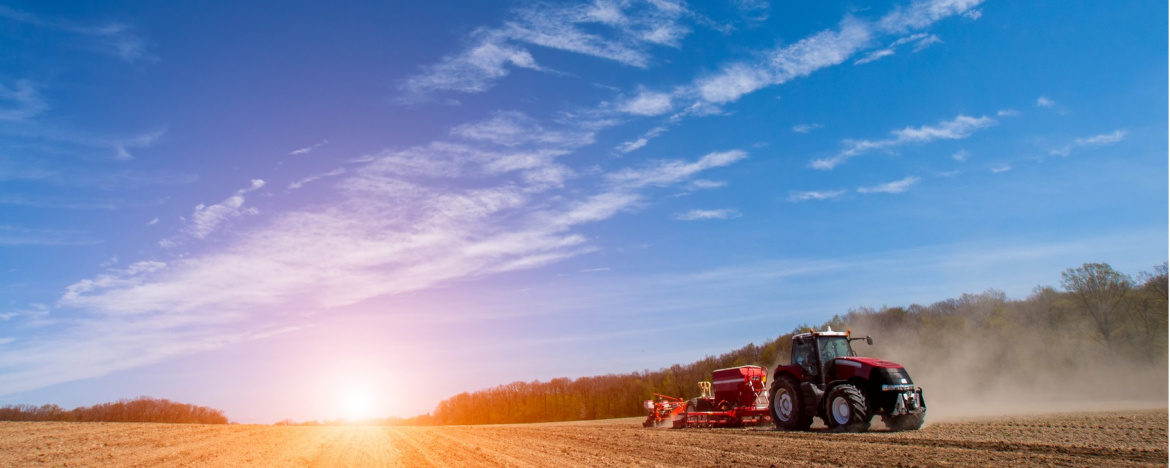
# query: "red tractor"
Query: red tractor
{"points": [[828, 380]]}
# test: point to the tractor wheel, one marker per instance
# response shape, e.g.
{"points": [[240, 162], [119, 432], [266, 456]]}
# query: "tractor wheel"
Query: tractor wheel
{"points": [[905, 422], [785, 406], [846, 410]]}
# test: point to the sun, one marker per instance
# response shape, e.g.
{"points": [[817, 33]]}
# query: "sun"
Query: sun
{"points": [[358, 404]]}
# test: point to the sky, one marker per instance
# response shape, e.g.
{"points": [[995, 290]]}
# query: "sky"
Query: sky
{"points": [[315, 210]]}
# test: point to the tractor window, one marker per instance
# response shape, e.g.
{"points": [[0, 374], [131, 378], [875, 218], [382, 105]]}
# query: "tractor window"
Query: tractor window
{"points": [[802, 355], [834, 347]]}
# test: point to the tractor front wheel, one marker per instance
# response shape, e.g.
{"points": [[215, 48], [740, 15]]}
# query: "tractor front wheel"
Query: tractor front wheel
{"points": [[785, 406], [846, 409]]}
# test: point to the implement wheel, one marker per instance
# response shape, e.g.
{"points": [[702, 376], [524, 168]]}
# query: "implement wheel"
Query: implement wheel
{"points": [[785, 406]]}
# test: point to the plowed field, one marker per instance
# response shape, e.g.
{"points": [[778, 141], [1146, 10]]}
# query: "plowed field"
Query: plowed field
{"points": [[1129, 438]]}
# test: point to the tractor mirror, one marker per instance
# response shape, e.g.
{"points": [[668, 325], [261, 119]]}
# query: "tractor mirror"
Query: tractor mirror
{"points": [[868, 340]]}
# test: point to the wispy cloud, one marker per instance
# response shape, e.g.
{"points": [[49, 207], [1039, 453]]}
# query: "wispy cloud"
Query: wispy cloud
{"points": [[897, 186], [697, 215], [515, 129], [419, 236], [1095, 140], [113, 38], [301, 183], [874, 56], [669, 172], [473, 70], [921, 14], [806, 128], [648, 103], [1044, 102], [798, 196], [308, 149], [205, 219], [753, 11], [706, 184], [961, 155], [619, 31], [624, 31], [1103, 139], [921, 41], [34, 315], [958, 128], [824, 49], [1000, 168], [20, 101], [430, 233], [641, 141], [145, 140]]}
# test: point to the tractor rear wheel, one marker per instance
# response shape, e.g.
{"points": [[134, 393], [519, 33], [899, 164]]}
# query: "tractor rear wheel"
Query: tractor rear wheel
{"points": [[846, 410], [905, 422], [785, 406]]}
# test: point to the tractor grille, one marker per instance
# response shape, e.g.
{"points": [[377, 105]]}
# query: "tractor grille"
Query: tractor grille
{"points": [[887, 376]]}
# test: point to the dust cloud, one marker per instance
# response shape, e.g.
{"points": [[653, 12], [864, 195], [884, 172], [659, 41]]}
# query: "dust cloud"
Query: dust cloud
{"points": [[983, 373]]}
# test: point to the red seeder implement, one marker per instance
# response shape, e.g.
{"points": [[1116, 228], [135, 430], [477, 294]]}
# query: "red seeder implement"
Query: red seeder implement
{"points": [[735, 397]]}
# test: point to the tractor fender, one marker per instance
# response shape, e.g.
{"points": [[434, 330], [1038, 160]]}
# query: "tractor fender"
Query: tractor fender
{"points": [[792, 370], [856, 382]]}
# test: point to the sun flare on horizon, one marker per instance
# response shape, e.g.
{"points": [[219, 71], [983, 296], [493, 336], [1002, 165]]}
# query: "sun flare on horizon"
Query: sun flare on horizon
{"points": [[358, 404]]}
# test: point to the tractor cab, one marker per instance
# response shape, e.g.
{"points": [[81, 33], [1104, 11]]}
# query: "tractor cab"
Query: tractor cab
{"points": [[813, 351]]}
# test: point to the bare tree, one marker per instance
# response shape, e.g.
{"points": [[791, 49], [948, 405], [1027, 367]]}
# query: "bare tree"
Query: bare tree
{"points": [[1101, 291], [1148, 311]]}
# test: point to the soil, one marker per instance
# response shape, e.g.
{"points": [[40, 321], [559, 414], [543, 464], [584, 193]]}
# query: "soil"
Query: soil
{"points": [[1117, 438]]}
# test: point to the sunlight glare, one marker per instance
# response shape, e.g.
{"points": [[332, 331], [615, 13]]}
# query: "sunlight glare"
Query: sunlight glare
{"points": [[358, 405]]}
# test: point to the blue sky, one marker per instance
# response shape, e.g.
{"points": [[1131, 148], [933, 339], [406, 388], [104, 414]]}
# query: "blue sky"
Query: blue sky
{"points": [[307, 211]]}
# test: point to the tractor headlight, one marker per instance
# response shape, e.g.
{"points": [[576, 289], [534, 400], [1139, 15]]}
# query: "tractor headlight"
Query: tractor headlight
{"points": [[897, 388]]}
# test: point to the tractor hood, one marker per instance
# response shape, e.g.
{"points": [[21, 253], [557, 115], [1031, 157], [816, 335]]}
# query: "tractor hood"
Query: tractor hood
{"points": [[873, 362]]}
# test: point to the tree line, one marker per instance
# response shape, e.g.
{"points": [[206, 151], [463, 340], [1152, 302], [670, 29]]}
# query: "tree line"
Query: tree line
{"points": [[1102, 325], [141, 409]]}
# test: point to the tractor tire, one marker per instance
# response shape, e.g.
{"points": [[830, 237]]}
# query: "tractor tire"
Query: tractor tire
{"points": [[905, 422], [846, 410], [786, 408]]}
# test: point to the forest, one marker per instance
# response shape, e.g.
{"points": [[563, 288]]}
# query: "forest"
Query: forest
{"points": [[141, 409], [1073, 344]]}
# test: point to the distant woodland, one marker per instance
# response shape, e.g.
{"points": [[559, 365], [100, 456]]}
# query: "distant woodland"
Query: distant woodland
{"points": [[1101, 327], [141, 409]]}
